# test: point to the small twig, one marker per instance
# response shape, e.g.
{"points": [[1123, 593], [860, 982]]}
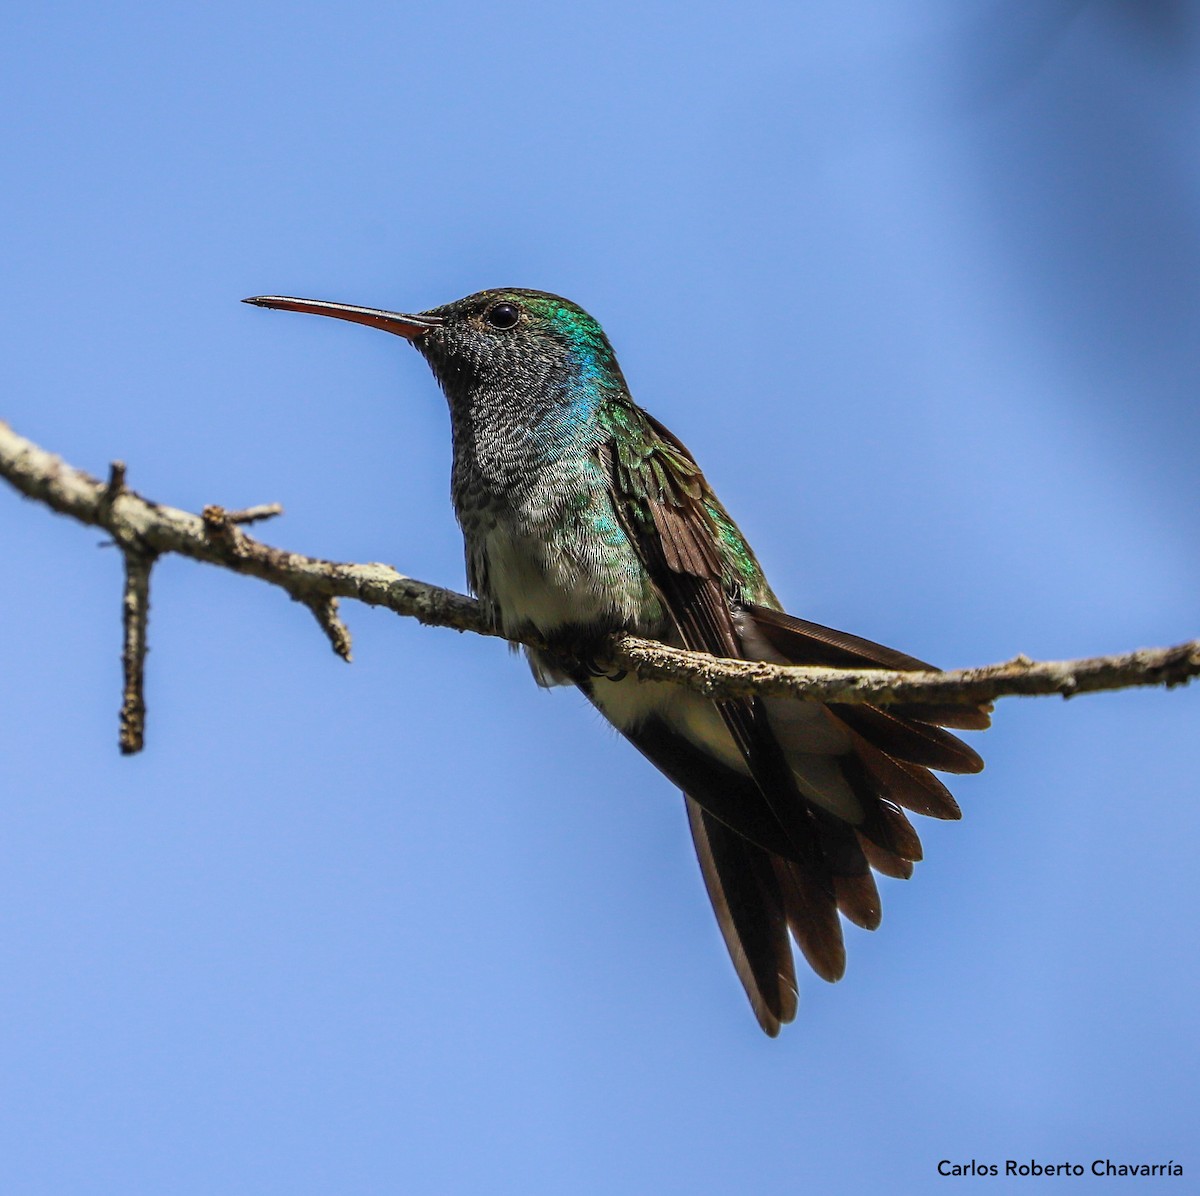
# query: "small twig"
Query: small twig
{"points": [[265, 510], [216, 521], [135, 614], [115, 487], [325, 610]]}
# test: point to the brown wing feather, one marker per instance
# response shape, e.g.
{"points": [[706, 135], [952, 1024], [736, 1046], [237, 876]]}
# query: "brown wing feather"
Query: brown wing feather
{"points": [[802, 642]]}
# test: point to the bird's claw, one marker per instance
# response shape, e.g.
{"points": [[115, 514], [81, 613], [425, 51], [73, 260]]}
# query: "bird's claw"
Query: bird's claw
{"points": [[582, 655], [593, 669]]}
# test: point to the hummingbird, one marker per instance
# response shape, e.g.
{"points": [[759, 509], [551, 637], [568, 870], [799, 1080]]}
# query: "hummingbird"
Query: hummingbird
{"points": [[583, 516]]}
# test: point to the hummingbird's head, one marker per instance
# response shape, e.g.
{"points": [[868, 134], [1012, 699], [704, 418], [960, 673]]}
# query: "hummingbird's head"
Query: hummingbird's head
{"points": [[510, 342]]}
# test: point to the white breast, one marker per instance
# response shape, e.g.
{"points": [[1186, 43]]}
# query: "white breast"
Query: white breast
{"points": [[532, 585]]}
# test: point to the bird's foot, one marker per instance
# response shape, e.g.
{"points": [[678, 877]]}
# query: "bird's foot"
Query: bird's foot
{"points": [[583, 655]]}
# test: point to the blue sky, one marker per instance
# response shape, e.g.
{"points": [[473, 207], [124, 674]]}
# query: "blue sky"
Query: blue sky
{"points": [[915, 283]]}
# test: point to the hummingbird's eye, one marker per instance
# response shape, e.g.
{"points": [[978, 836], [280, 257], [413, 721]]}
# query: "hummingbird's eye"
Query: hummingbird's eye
{"points": [[502, 315]]}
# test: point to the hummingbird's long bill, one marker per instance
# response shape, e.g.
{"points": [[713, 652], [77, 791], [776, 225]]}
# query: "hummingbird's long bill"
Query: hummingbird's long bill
{"points": [[389, 321]]}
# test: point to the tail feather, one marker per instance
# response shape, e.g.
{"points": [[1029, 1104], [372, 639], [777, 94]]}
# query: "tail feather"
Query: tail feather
{"points": [[743, 886], [883, 822], [885, 862], [813, 919], [858, 899], [908, 785], [854, 888], [888, 828], [909, 740]]}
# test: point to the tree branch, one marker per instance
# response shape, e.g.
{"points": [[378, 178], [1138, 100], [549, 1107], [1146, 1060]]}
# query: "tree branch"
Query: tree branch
{"points": [[718, 677], [144, 530]]}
